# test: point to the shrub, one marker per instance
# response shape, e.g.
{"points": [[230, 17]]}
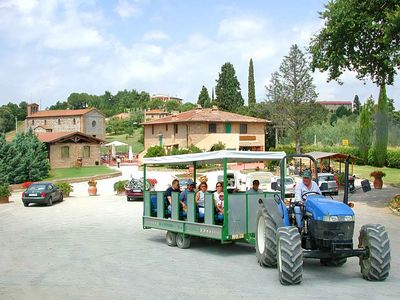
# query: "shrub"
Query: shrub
{"points": [[119, 186], [393, 158], [218, 146], [65, 187], [194, 149], [155, 151], [26, 184], [5, 190], [395, 203]]}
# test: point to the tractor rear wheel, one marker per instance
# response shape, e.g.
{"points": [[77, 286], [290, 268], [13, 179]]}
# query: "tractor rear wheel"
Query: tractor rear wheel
{"points": [[290, 255], [333, 262], [266, 239], [170, 237], [375, 265], [182, 241]]}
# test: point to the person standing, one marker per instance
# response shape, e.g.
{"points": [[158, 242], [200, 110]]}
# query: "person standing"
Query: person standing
{"points": [[118, 161]]}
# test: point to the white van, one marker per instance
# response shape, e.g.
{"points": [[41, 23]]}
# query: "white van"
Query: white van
{"points": [[264, 178], [235, 180]]}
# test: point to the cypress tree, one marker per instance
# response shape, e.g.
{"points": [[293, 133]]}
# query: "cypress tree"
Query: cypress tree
{"points": [[251, 85], [227, 89], [356, 105], [381, 125], [365, 131], [204, 98]]}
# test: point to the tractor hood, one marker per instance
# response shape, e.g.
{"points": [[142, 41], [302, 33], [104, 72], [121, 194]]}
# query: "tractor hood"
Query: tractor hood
{"points": [[319, 206]]}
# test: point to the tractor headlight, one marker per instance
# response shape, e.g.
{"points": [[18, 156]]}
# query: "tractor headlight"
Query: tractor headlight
{"points": [[338, 218]]}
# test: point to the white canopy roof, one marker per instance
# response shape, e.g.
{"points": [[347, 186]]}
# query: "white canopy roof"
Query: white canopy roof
{"points": [[215, 157], [116, 144]]}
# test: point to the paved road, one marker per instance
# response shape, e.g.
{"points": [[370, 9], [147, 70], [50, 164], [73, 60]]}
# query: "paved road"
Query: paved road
{"points": [[95, 248]]}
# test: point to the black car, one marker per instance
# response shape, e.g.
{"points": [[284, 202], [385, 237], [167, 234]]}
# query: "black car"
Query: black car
{"points": [[42, 193]]}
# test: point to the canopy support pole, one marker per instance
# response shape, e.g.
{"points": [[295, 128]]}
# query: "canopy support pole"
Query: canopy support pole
{"points": [[144, 186], [194, 172], [225, 232]]}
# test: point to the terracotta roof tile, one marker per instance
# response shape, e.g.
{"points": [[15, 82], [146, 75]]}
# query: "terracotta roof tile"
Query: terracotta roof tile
{"points": [[206, 115], [336, 102], [51, 137], [60, 113]]}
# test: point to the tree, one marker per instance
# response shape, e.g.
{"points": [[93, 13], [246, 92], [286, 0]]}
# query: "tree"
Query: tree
{"points": [[381, 129], [227, 90], [155, 104], [342, 111], [218, 146], [204, 98], [251, 85], [365, 130], [7, 120], [172, 105], [59, 105], [356, 105], [187, 106], [364, 37], [212, 97], [5, 155], [293, 95]]}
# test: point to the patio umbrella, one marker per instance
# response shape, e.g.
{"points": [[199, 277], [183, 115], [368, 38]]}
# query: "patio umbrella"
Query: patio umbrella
{"points": [[130, 154], [114, 145]]}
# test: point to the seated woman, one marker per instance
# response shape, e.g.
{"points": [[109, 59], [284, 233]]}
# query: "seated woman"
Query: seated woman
{"points": [[219, 202], [200, 197]]}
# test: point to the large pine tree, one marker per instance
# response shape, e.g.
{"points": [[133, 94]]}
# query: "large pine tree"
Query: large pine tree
{"points": [[252, 89], [227, 90]]}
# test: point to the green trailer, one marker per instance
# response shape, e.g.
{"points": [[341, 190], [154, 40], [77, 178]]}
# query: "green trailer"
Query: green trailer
{"points": [[240, 208]]}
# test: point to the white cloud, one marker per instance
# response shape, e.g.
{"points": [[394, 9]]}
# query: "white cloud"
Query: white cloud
{"points": [[241, 27], [155, 35], [127, 9]]}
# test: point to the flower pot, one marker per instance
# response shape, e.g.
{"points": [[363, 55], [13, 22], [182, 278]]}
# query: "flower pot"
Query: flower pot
{"points": [[66, 195], [4, 199], [92, 190], [378, 182]]}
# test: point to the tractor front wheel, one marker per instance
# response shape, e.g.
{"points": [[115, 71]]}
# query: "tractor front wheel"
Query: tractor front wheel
{"points": [[265, 239], [375, 265], [290, 255]]}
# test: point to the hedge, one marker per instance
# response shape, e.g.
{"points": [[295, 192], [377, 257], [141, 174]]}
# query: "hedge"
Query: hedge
{"points": [[392, 157]]}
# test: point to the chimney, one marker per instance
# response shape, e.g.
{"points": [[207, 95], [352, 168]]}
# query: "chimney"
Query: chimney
{"points": [[31, 109]]}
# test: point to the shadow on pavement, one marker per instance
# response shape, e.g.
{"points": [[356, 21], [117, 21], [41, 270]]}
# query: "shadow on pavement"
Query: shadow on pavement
{"points": [[375, 198]]}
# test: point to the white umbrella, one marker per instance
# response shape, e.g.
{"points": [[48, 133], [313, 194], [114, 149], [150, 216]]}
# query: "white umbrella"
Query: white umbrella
{"points": [[113, 151], [130, 154], [116, 144]]}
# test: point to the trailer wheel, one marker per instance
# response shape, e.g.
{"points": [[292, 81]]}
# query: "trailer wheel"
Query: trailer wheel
{"points": [[375, 265], [290, 255], [266, 239], [333, 262], [182, 241], [170, 237]]}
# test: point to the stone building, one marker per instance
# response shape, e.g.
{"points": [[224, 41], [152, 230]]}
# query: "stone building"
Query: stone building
{"points": [[334, 105], [204, 128], [166, 98], [73, 137], [155, 114]]}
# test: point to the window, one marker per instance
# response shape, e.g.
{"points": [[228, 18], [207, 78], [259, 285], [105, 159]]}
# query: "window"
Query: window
{"points": [[152, 129], [33, 122], [59, 121], [243, 128], [212, 128], [228, 127], [93, 123], [45, 122], [74, 121], [166, 127], [86, 151], [65, 152], [176, 128]]}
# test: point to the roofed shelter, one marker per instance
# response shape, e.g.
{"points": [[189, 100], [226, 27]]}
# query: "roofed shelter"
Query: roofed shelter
{"points": [[339, 157]]}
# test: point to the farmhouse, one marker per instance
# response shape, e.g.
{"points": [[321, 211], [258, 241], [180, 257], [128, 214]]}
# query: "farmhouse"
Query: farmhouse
{"points": [[204, 128], [334, 105]]}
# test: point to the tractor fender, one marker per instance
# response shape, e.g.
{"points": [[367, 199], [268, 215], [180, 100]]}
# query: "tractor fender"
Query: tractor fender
{"points": [[277, 210]]}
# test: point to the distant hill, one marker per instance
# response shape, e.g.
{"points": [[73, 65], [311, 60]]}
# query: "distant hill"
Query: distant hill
{"points": [[11, 134]]}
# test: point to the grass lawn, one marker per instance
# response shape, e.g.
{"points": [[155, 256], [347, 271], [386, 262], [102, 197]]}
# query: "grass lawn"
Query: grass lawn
{"points": [[392, 174], [66, 173], [132, 141]]}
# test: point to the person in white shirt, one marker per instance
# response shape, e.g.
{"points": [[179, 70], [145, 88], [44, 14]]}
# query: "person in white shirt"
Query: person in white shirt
{"points": [[307, 185], [255, 188]]}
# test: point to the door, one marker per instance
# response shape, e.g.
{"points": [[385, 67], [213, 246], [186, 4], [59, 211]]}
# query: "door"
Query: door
{"points": [[228, 128]]}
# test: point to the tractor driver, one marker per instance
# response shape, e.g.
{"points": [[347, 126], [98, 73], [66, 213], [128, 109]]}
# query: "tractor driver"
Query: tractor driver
{"points": [[307, 185]]}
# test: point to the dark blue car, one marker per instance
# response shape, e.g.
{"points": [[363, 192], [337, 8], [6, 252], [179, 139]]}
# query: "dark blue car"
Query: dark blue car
{"points": [[42, 193]]}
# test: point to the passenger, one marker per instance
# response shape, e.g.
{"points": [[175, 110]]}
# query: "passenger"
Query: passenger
{"points": [[189, 189], [255, 188], [219, 202], [168, 194], [200, 198]]}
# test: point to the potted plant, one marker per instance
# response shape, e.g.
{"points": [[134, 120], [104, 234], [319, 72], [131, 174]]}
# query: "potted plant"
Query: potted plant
{"points": [[151, 183], [5, 193], [119, 186], [378, 182], [65, 187], [26, 184], [92, 187]]}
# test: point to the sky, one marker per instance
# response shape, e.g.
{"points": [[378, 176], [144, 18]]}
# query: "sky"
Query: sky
{"points": [[51, 48]]}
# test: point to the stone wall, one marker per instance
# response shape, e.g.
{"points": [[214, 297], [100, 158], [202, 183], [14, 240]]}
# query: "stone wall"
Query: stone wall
{"points": [[94, 124], [75, 152], [57, 124]]}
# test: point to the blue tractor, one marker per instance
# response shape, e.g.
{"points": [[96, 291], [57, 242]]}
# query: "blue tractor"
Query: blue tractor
{"points": [[326, 233]]}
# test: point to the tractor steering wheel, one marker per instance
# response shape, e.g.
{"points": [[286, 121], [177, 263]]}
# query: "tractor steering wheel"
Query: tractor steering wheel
{"points": [[307, 193]]}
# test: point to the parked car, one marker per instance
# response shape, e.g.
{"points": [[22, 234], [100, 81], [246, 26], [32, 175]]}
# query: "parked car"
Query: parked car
{"points": [[333, 185], [290, 185], [134, 190], [42, 193], [265, 179], [183, 183], [235, 180]]}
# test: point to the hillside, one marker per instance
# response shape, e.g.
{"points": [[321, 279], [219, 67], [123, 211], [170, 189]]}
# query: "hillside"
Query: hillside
{"points": [[11, 134]]}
